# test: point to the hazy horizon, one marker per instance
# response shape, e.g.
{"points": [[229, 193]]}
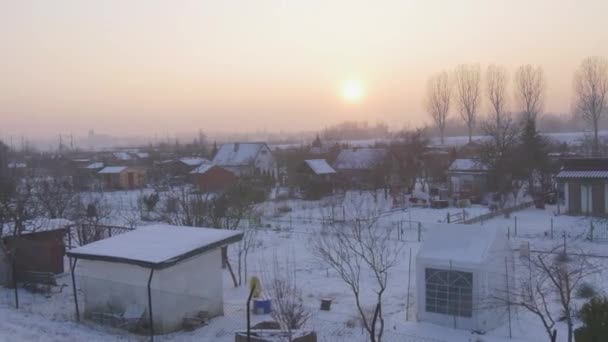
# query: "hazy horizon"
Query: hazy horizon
{"points": [[150, 67]]}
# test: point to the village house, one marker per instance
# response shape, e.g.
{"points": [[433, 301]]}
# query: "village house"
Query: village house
{"points": [[360, 166], [162, 275], [583, 186], [122, 177], [315, 178], [246, 159], [212, 178], [468, 179]]}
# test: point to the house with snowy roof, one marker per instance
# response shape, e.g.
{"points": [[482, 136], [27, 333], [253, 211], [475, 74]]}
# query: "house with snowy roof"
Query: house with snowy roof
{"points": [[246, 159], [583, 186], [122, 177], [209, 177], [161, 276], [359, 166], [468, 179], [315, 178]]}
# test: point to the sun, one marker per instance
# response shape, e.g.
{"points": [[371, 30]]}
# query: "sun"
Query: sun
{"points": [[353, 90]]}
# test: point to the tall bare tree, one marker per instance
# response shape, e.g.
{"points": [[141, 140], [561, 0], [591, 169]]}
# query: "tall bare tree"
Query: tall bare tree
{"points": [[468, 86], [591, 89], [439, 93], [354, 249], [496, 86], [530, 89]]}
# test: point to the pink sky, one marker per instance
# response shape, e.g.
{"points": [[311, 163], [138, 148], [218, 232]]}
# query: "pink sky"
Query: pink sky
{"points": [[146, 66]]}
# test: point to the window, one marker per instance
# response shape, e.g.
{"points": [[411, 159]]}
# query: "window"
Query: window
{"points": [[449, 292]]}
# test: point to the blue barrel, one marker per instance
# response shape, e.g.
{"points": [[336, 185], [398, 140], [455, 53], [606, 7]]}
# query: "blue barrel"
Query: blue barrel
{"points": [[261, 306]]}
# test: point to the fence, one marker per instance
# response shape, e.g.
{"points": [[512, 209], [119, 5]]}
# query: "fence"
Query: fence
{"points": [[493, 214]]}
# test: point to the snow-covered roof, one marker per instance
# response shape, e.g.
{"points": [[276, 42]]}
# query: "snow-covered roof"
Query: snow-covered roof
{"points": [[193, 161], [157, 246], [142, 155], [359, 158], [122, 155], [204, 167], [320, 166], [462, 243], [468, 165], [95, 165], [113, 169], [16, 165], [41, 224], [237, 154]]}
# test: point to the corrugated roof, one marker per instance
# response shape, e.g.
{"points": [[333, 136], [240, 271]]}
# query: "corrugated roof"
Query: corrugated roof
{"points": [[582, 174]]}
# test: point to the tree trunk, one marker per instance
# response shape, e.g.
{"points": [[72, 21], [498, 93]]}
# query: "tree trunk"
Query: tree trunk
{"points": [[470, 132], [596, 143], [226, 262]]}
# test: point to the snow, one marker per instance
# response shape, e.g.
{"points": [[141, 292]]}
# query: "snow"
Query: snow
{"points": [[112, 169], [16, 165], [193, 161], [142, 155], [468, 165], [237, 154], [51, 317], [155, 244], [122, 156], [95, 165], [202, 168], [458, 242], [359, 158], [320, 166]]}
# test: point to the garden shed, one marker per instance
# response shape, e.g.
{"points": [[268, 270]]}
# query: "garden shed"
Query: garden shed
{"points": [[460, 270], [159, 275]]}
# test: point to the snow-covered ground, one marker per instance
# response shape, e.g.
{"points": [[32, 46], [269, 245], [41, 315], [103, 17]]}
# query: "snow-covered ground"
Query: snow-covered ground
{"points": [[287, 235]]}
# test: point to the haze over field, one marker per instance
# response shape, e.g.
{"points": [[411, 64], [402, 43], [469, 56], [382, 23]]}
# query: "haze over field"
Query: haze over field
{"points": [[146, 67]]}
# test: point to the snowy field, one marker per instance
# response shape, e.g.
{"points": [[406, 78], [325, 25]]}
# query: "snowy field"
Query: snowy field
{"points": [[287, 235]]}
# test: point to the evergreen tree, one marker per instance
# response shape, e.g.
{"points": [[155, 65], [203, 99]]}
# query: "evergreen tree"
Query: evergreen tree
{"points": [[594, 316], [532, 157]]}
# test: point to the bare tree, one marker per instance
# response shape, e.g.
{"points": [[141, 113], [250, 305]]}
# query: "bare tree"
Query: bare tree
{"points": [[354, 248], [55, 196], [591, 89], [439, 93], [548, 277], [530, 90], [243, 247], [289, 310], [496, 84], [468, 86]]}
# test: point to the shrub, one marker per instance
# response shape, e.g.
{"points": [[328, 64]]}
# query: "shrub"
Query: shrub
{"points": [[586, 291]]}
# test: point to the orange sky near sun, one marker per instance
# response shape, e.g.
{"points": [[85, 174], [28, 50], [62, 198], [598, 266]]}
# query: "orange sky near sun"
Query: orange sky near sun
{"points": [[148, 66]]}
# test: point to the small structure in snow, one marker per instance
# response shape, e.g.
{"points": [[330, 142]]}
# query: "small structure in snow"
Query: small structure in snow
{"points": [[315, 178], [165, 274], [585, 186], [246, 159], [468, 178], [357, 165], [122, 177], [459, 269], [212, 178]]}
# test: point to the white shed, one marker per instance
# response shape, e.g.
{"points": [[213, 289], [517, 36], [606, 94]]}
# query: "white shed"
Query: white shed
{"points": [[175, 271], [460, 271]]}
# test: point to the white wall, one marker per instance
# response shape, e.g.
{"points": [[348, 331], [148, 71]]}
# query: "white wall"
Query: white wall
{"points": [[488, 280], [179, 291]]}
